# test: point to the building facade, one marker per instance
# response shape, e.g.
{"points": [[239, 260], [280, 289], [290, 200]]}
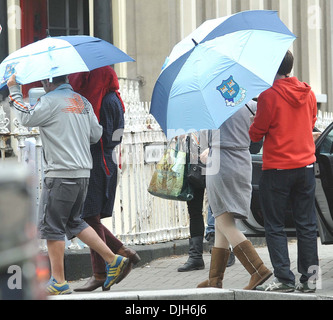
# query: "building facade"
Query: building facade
{"points": [[148, 29]]}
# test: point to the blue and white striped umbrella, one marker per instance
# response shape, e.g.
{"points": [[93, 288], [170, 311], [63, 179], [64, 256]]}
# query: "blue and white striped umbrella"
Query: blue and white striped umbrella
{"points": [[217, 69], [57, 56]]}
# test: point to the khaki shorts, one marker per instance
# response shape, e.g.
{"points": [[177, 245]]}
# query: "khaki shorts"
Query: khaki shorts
{"points": [[60, 208]]}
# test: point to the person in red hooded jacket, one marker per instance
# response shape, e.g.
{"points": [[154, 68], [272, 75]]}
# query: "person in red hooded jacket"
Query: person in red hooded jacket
{"points": [[286, 116]]}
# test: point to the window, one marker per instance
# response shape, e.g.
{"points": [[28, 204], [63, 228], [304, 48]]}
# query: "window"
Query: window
{"points": [[327, 145], [66, 17]]}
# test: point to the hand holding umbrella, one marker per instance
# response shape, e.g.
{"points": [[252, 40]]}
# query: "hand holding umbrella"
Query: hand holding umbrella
{"points": [[12, 81]]}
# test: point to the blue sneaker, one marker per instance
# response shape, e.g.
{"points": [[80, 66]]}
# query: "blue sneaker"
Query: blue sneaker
{"points": [[114, 270], [55, 288]]}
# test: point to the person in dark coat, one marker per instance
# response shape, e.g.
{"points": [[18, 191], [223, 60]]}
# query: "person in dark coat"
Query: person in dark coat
{"points": [[100, 87]]}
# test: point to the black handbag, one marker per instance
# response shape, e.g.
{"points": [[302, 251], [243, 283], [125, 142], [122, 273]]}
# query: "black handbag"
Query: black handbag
{"points": [[196, 173], [196, 176]]}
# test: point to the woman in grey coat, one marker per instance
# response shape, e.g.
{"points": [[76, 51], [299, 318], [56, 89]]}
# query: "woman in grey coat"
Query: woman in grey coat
{"points": [[229, 191]]}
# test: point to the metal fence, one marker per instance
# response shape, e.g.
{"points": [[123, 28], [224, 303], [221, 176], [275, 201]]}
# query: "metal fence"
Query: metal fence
{"points": [[138, 217]]}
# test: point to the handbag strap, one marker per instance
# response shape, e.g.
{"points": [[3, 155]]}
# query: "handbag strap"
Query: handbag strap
{"points": [[210, 138], [188, 149]]}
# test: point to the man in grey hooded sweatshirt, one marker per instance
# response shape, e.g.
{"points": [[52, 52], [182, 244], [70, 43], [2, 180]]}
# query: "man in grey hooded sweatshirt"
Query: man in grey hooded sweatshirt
{"points": [[68, 126]]}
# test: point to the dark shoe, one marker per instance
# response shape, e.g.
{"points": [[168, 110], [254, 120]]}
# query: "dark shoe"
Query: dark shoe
{"points": [[195, 260], [192, 264], [130, 254], [277, 286], [133, 257], [306, 287], [93, 283]]}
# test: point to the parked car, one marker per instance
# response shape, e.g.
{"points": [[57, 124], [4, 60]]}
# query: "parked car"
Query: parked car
{"points": [[254, 226]]}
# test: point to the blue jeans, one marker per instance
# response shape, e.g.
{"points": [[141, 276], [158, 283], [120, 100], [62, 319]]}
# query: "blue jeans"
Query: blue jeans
{"points": [[210, 222], [278, 188]]}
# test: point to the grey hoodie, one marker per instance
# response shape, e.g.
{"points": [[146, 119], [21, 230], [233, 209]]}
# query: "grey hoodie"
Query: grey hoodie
{"points": [[67, 125]]}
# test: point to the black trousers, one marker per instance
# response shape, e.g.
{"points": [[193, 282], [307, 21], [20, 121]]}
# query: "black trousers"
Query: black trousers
{"points": [[277, 188], [195, 206]]}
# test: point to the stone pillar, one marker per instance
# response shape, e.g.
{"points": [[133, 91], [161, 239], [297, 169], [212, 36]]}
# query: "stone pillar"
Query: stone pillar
{"points": [[14, 25], [223, 8], [188, 17], [314, 26], [120, 33], [102, 20]]}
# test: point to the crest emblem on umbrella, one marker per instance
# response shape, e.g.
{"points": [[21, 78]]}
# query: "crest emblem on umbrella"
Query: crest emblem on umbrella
{"points": [[9, 71], [232, 92]]}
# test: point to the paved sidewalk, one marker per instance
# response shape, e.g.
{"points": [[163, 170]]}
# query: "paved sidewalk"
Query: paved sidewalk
{"points": [[159, 279]]}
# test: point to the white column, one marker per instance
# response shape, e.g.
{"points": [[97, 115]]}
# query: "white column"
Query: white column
{"points": [[314, 25], [285, 10], [119, 32], [14, 24], [188, 18], [223, 8], [91, 18], [256, 4]]}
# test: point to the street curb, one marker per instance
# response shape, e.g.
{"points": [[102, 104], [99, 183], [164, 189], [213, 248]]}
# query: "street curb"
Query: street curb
{"points": [[191, 294], [78, 263]]}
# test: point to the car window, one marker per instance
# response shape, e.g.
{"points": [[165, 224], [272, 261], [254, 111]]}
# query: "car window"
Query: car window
{"points": [[327, 145]]}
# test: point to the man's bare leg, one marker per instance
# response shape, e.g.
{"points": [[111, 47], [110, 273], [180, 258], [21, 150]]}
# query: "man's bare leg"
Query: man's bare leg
{"points": [[92, 239], [56, 252]]}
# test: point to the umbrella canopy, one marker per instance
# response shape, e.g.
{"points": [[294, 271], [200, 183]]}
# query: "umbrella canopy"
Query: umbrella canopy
{"points": [[57, 56], [217, 69]]}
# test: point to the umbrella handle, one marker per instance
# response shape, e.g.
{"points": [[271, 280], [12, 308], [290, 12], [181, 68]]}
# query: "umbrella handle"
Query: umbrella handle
{"points": [[250, 110], [195, 43]]}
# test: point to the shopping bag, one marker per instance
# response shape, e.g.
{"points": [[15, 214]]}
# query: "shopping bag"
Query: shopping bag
{"points": [[169, 180]]}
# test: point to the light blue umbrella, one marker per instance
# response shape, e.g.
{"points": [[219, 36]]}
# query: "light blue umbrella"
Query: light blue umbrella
{"points": [[217, 69], [57, 56]]}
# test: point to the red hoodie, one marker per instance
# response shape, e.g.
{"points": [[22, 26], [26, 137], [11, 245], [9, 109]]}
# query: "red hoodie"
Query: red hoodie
{"points": [[286, 116]]}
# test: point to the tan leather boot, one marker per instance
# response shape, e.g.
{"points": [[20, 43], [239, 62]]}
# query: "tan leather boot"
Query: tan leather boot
{"points": [[218, 264], [249, 258]]}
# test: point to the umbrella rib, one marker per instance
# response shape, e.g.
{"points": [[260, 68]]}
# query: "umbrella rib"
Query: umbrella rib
{"points": [[35, 54], [247, 41], [236, 61]]}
